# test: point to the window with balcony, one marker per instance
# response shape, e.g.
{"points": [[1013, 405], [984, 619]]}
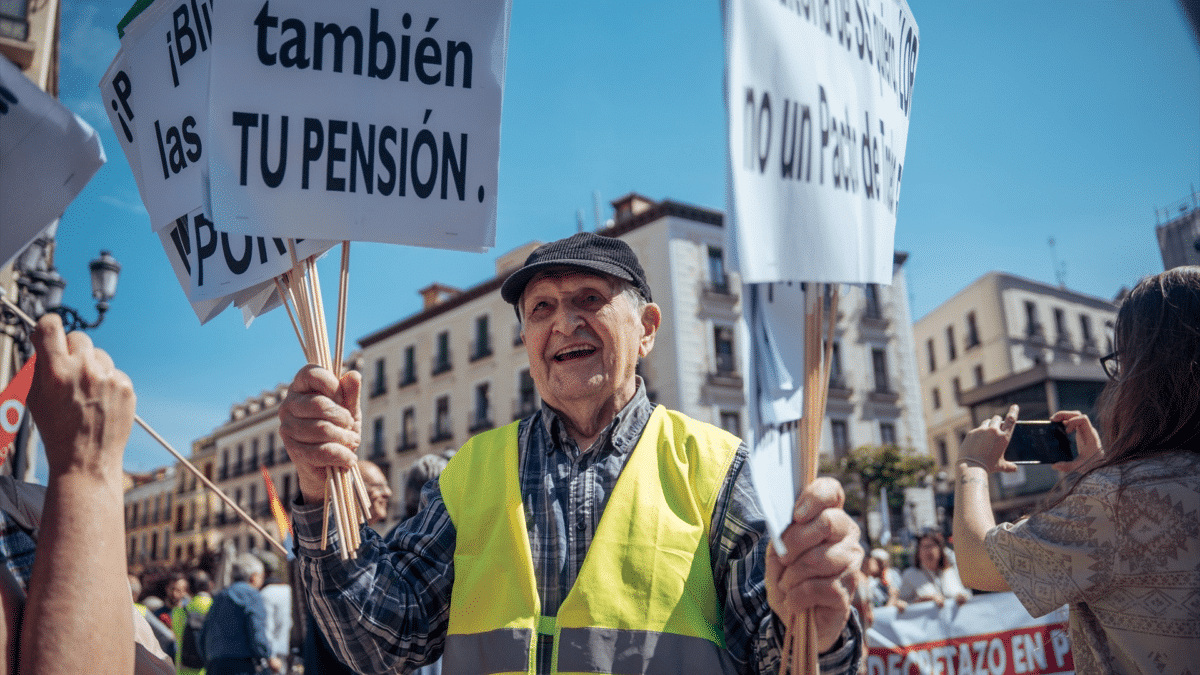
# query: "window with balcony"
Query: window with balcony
{"points": [[840, 432], [253, 454], [526, 402], [723, 345], [874, 309], [837, 379], [482, 346], [408, 430], [14, 21], [441, 361], [732, 422], [887, 433], [1085, 332], [936, 397], [1062, 335], [239, 467], [481, 416], [956, 384], [269, 460], [951, 348], [979, 376], [879, 364], [377, 445], [943, 452], [224, 464], [972, 331], [441, 421], [932, 355], [408, 374], [379, 380], [718, 279], [1033, 327]]}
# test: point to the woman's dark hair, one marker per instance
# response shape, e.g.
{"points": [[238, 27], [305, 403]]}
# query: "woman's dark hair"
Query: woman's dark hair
{"points": [[1154, 403], [943, 561]]}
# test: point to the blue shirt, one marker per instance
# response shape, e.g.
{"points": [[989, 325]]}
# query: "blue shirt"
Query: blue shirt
{"points": [[235, 627], [390, 607]]}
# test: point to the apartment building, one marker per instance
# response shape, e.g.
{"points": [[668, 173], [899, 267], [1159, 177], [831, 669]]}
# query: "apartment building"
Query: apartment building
{"points": [[148, 500], [1005, 339]]}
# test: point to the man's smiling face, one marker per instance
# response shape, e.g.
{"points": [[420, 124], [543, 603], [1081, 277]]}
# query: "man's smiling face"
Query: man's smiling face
{"points": [[584, 337]]}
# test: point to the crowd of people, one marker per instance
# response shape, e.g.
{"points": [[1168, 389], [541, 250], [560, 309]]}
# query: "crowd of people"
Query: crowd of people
{"points": [[540, 546]]}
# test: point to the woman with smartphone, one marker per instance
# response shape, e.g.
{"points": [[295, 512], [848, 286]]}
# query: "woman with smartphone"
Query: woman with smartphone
{"points": [[1119, 537]]}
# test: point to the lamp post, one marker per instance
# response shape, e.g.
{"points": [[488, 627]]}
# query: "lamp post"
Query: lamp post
{"points": [[40, 290]]}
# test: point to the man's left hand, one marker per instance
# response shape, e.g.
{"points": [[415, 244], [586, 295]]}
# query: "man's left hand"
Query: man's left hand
{"points": [[822, 555]]}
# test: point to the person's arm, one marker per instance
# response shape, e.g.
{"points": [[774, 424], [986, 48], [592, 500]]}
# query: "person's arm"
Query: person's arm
{"points": [[738, 549], [390, 607], [981, 453], [78, 617]]}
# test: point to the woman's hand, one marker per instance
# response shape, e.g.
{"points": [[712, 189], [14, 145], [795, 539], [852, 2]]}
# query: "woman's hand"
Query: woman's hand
{"points": [[984, 446], [1087, 441]]}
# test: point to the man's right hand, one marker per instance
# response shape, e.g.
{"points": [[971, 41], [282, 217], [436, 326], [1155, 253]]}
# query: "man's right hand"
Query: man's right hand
{"points": [[321, 425]]}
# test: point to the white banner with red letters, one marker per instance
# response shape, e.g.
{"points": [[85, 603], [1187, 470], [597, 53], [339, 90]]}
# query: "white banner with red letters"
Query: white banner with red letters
{"points": [[989, 635]]}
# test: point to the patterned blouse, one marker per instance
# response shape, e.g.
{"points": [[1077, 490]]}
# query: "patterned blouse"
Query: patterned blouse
{"points": [[1123, 549]]}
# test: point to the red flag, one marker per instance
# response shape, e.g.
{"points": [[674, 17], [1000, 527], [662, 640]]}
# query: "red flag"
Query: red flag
{"points": [[281, 519], [12, 406]]}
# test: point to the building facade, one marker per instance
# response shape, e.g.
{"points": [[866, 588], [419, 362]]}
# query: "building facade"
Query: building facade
{"points": [[1005, 339], [29, 37], [1179, 234], [149, 499]]}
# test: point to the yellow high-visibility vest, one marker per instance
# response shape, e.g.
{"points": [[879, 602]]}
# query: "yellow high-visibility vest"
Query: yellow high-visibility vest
{"points": [[644, 601]]}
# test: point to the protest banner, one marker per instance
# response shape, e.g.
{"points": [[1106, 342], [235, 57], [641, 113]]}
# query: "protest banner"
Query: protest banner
{"points": [[991, 634], [818, 98], [47, 155], [360, 122]]}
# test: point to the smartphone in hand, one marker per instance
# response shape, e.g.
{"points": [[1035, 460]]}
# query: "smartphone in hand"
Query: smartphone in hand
{"points": [[1039, 442]]}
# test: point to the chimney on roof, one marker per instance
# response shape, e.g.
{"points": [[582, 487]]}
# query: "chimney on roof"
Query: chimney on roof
{"points": [[435, 294], [510, 261], [630, 205]]}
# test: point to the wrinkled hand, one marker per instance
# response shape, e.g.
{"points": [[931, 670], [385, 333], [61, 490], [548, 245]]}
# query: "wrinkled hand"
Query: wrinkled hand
{"points": [[817, 572], [1087, 441], [321, 426], [986, 442], [83, 406]]}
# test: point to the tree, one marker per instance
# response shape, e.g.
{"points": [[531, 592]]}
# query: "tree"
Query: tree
{"points": [[867, 468]]}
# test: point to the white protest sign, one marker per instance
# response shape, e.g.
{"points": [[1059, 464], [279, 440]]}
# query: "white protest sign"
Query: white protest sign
{"points": [[989, 634], [163, 98], [47, 155], [357, 120], [120, 102], [818, 100], [211, 263]]}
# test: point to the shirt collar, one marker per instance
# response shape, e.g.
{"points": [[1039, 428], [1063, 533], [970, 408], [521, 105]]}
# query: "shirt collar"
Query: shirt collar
{"points": [[621, 433]]}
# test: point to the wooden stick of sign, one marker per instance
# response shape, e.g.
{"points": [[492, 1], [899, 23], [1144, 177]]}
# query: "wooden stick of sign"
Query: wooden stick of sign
{"points": [[301, 288], [182, 460], [800, 643]]}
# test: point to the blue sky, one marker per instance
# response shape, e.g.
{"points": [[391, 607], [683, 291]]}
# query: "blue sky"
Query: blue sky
{"points": [[1073, 120]]}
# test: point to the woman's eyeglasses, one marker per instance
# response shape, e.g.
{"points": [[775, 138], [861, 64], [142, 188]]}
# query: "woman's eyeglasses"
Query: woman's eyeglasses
{"points": [[1111, 366]]}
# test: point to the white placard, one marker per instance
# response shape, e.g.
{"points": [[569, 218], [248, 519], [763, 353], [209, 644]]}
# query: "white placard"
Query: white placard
{"points": [[392, 118], [819, 96], [161, 92], [211, 263], [47, 155]]}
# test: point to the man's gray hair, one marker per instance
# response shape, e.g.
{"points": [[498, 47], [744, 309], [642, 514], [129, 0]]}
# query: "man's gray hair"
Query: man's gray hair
{"points": [[245, 565]]}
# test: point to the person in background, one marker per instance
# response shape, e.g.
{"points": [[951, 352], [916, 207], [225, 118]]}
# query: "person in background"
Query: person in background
{"points": [[277, 600], [932, 576], [162, 632], [883, 580], [234, 637], [187, 621], [78, 614], [1117, 539], [598, 472], [378, 491], [425, 469]]}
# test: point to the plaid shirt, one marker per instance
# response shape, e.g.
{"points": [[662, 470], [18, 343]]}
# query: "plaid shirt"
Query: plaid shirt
{"points": [[390, 607]]}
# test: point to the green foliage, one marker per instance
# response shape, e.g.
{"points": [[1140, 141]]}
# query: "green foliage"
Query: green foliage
{"points": [[867, 468]]}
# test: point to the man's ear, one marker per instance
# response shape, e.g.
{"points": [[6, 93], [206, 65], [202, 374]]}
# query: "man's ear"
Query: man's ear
{"points": [[651, 319]]}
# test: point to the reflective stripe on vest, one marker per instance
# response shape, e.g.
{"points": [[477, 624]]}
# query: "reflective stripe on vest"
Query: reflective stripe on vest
{"points": [[644, 602]]}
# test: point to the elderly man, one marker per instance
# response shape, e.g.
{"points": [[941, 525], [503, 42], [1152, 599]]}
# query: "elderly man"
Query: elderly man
{"points": [[600, 534]]}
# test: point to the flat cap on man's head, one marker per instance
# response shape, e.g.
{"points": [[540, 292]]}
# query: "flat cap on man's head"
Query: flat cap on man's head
{"points": [[584, 251]]}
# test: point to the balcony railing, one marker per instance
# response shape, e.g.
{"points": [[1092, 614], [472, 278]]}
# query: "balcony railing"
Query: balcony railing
{"points": [[440, 432], [406, 442], [441, 364], [479, 420], [481, 349], [524, 406], [408, 377]]}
